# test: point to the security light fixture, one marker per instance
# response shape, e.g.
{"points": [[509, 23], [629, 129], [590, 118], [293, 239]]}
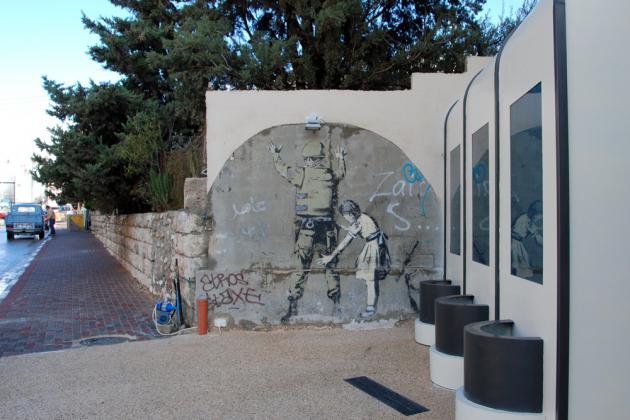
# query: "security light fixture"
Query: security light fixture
{"points": [[313, 122]]}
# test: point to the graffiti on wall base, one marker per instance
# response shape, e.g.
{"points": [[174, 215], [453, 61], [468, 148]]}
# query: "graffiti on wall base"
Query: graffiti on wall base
{"points": [[229, 289]]}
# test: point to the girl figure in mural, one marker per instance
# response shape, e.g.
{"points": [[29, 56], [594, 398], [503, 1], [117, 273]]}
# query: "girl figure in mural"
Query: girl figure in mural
{"points": [[527, 225], [373, 263]]}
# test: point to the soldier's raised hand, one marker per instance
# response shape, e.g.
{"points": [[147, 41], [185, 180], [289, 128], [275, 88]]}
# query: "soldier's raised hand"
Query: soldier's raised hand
{"points": [[340, 153], [275, 148]]}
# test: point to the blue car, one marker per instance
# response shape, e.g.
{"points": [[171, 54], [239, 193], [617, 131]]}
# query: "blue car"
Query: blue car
{"points": [[25, 219]]}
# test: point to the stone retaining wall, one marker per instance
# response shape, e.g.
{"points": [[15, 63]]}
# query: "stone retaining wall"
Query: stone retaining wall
{"points": [[149, 244]]}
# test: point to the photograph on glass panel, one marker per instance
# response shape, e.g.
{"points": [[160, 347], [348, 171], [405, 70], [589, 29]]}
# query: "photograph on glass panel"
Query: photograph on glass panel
{"points": [[480, 197], [526, 186], [455, 202]]}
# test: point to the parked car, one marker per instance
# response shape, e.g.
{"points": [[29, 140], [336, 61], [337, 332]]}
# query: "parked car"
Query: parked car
{"points": [[25, 219]]}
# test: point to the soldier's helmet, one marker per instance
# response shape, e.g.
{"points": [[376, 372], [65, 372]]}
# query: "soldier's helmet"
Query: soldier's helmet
{"points": [[313, 149]]}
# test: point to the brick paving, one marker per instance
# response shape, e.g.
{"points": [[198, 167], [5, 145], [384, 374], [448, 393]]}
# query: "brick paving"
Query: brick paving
{"points": [[73, 290]]}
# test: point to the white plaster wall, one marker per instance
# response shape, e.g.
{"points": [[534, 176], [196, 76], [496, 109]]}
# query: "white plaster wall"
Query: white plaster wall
{"points": [[599, 148], [411, 119], [527, 60], [480, 111]]}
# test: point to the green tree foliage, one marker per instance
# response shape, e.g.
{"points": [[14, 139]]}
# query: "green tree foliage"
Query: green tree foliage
{"points": [[81, 159], [160, 188], [495, 34], [111, 147], [350, 44]]}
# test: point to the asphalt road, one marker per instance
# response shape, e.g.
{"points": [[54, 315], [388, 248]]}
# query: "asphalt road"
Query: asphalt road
{"points": [[15, 256]]}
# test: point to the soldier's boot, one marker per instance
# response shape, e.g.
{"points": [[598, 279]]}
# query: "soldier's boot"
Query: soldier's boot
{"points": [[336, 312], [292, 311], [370, 311]]}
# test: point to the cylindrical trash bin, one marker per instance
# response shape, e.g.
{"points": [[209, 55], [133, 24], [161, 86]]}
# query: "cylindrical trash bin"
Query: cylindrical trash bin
{"points": [[202, 316], [431, 290]]}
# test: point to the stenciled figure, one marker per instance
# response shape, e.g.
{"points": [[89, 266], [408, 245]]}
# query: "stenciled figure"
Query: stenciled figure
{"points": [[373, 263], [316, 230], [527, 225]]}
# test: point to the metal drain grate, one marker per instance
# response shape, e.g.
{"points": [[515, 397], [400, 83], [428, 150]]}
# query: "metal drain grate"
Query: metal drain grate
{"points": [[102, 341], [385, 395]]}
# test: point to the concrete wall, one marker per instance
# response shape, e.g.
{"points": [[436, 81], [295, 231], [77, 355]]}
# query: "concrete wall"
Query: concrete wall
{"points": [[148, 244], [598, 89], [453, 127], [527, 60], [394, 144], [480, 186], [256, 237]]}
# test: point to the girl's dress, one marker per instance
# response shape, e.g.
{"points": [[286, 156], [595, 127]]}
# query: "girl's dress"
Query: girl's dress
{"points": [[373, 262]]}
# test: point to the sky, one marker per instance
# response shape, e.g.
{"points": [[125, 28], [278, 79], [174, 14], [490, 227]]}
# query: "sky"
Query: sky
{"points": [[46, 37], [37, 38]]}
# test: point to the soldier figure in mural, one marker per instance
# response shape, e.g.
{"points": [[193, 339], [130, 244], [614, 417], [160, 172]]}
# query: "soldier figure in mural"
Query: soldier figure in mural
{"points": [[316, 230]]}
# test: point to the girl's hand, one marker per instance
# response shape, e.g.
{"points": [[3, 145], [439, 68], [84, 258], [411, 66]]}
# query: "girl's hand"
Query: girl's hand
{"points": [[325, 259]]}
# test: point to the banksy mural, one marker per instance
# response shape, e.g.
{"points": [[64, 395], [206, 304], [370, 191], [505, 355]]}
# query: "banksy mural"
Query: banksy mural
{"points": [[319, 226]]}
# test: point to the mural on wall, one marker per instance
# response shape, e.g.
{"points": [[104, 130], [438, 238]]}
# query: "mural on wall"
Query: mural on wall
{"points": [[527, 186], [287, 208]]}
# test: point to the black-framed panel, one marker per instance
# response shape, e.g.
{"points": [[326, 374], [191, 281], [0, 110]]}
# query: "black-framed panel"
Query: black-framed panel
{"points": [[526, 186], [481, 196], [455, 201]]}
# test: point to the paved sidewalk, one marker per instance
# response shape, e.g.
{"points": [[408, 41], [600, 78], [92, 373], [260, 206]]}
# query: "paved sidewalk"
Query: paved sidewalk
{"points": [[72, 290], [282, 374]]}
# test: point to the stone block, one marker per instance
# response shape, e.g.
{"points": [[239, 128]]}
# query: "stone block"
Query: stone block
{"points": [[195, 190], [185, 222], [191, 245], [189, 266]]}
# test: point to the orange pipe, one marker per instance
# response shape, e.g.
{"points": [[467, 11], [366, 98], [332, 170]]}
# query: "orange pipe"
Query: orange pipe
{"points": [[202, 316]]}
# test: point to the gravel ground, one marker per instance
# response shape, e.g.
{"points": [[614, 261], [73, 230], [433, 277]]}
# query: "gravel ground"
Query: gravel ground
{"points": [[281, 374]]}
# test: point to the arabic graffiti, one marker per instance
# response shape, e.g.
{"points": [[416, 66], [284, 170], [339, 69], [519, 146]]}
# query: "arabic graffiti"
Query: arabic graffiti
{"points": [[255, 231], [252, 206]]}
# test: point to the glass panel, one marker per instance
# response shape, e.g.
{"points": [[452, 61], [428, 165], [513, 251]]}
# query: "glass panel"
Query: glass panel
{"points": [[480, 197], [455, 202], [526, 186]]}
